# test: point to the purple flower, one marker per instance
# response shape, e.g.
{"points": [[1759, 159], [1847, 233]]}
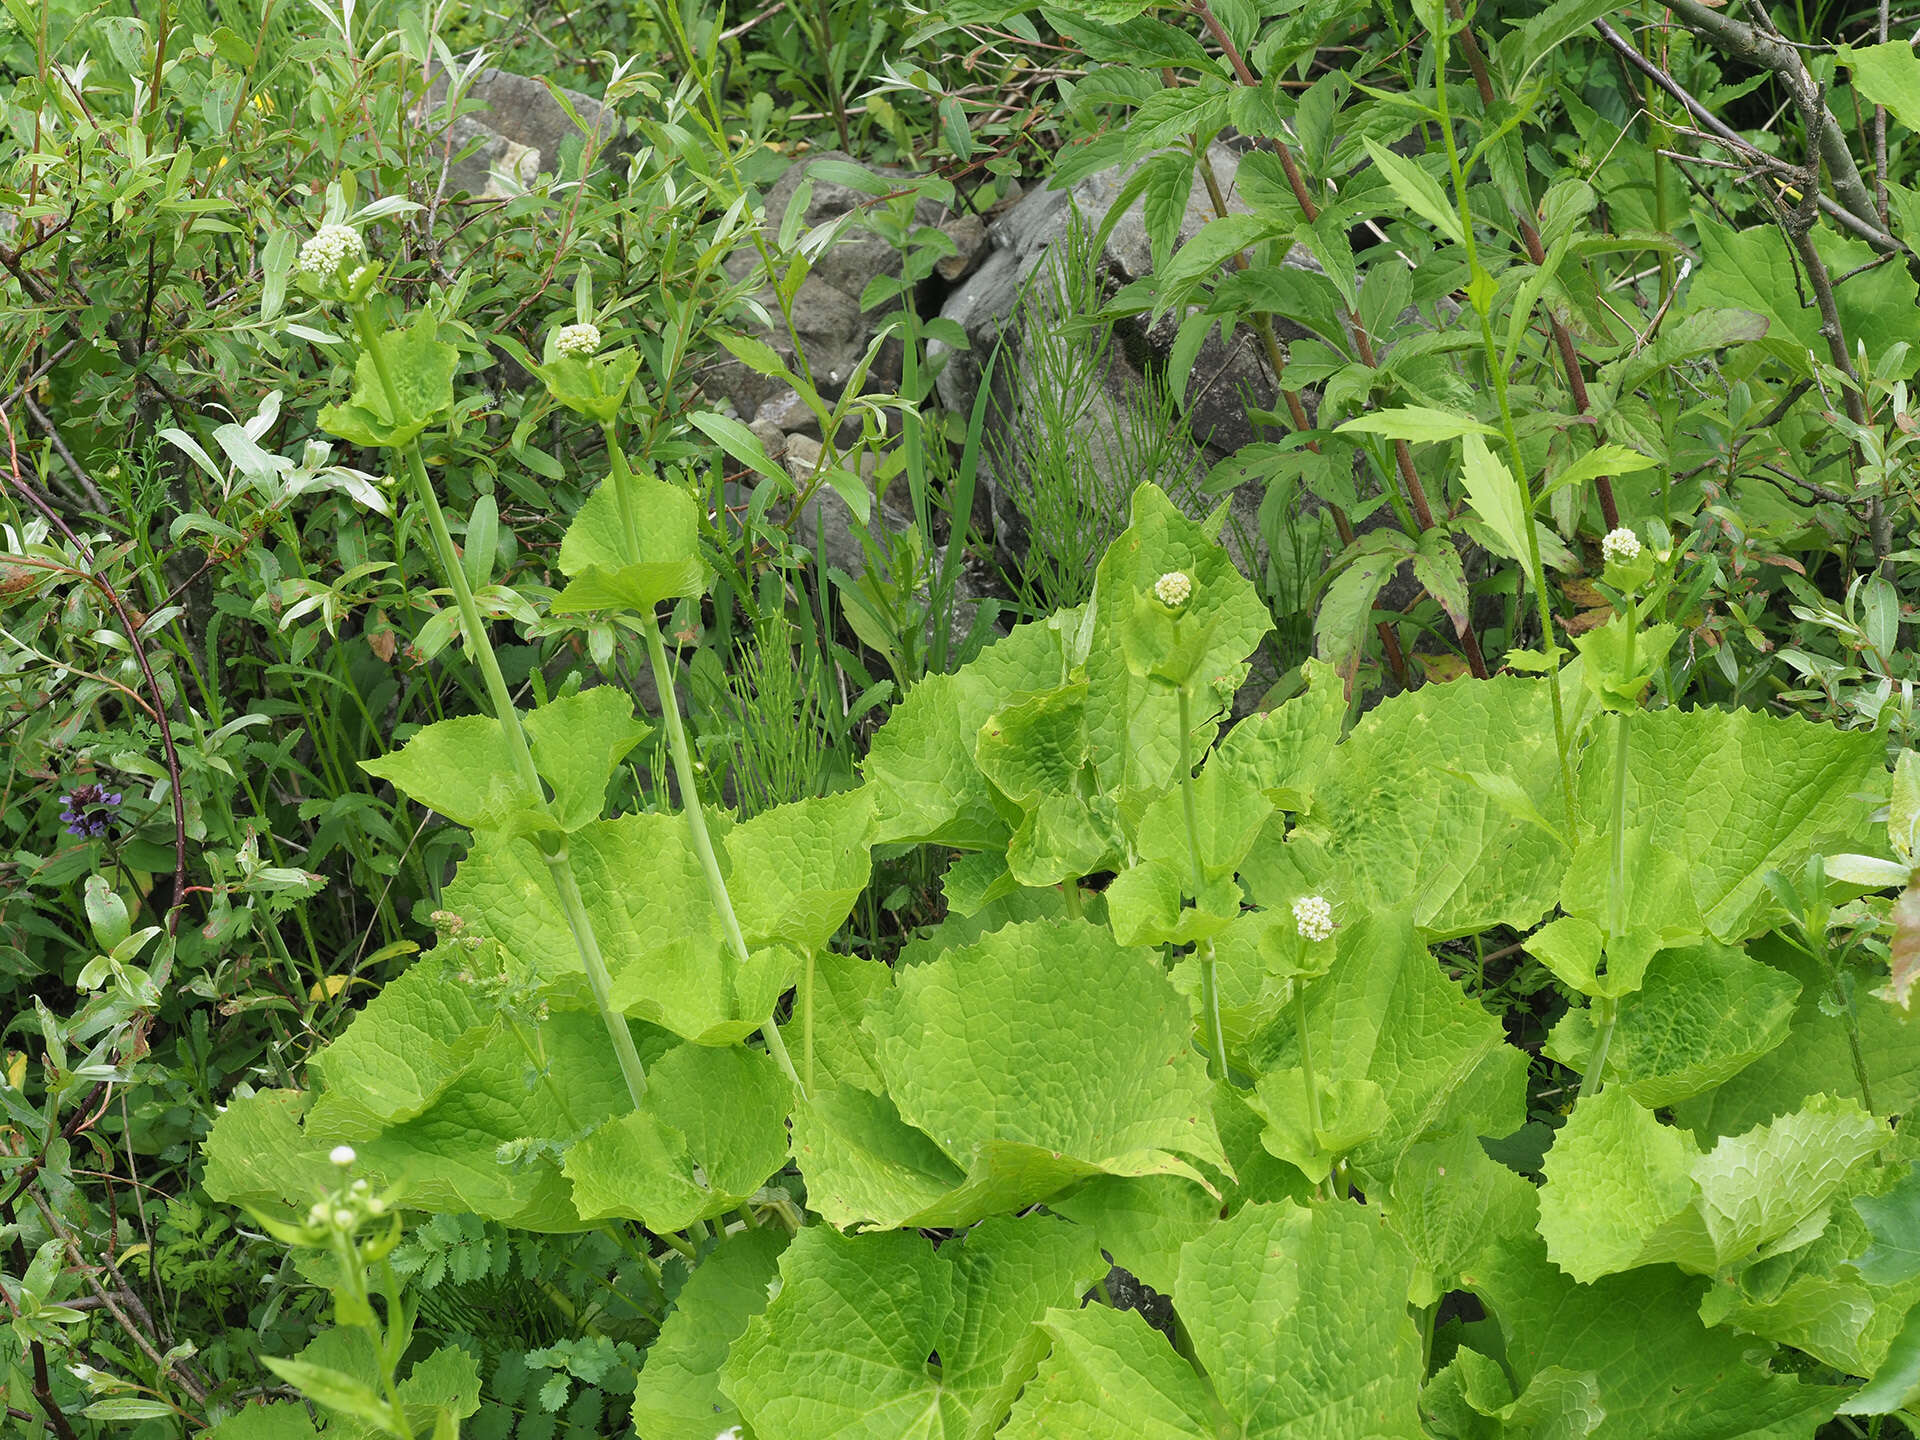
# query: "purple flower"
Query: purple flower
{"points": [[90, 811]]}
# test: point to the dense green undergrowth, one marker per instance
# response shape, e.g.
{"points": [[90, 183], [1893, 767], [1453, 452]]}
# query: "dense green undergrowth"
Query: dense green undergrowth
{"points": [[1399, 925]]}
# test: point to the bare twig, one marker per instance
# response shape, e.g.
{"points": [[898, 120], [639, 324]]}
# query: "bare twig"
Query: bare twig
{"points": [[1861, 225], [1751, 43], [74, 468]]}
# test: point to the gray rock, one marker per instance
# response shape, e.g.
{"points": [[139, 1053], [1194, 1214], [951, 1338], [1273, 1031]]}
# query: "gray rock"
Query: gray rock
{"points": [[1107, 427], [834, 331], [520, 128]]}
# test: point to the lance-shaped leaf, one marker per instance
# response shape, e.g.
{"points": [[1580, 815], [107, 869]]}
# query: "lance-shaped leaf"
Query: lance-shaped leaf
{"points": [[613, 568], [1498, 500], [1393, 823], [876, 1335], [709, 1131]]}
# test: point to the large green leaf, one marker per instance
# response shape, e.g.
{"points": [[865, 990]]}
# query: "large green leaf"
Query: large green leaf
{"points": [[1764, 792], [1756, 270], [1449, 1199], [1142, 1220], [1100, 1067], [421, 369], [1662, 1374], [710, 1130], [798, 868], [1298, 1316], [1109, 1377], [1624, 1191], [646, 895], [1386, 1013], [1702, 1014], [882, 1336], [678, 1394], [1815, 1058], [1284, 751], [464, 769], [406, 1047], [1334, 1282], [921, 763], [1133, 724], [613, 569], [1470, 1398], [1395, 820]]}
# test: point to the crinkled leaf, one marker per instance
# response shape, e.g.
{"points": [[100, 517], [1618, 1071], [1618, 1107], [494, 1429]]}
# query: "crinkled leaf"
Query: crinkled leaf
{"points": [[1142, 1220], [678, 1394], [578, 742], [709, 1131], [1449, 1198], [463, 769], [800, 867], [844, 1349], [1133, 723], [609, 569], [1701, 1016], [1763, 791], [1387, 1013], [1390, 824], [1893, 1219], [1334, 1282], [1284, 751], [421, 369], [1101, 1068], [1663, 1375], [1108, 1376], [921, 763], [1623, 1190], [661, 938]]}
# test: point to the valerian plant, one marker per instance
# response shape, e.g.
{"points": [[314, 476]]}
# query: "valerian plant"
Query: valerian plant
{"points": [[1183, 1017]]}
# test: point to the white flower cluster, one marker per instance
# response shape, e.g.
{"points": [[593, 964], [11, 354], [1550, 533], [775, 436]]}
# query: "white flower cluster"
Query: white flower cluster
{"points": [[332, 247], [580, 341], [1172, 589], [1621, 546], [1314, 917]]}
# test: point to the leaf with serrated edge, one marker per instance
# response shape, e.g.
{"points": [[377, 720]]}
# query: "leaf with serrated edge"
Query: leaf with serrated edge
{"points": [[843, 1350], [677, 1396]]}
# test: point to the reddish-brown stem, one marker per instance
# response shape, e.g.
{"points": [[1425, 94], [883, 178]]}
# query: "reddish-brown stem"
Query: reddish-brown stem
{"points": [[1362, 342], [112, 597], [1537, 253]]}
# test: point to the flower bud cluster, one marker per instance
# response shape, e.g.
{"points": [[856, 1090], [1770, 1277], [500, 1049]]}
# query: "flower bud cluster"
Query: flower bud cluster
{"points": [[1620, 547], [1173, 589], [1313, 916], [581, 342], [332, 248]]}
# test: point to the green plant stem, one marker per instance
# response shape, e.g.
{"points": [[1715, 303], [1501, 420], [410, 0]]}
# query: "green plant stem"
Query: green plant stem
{"points": [[1497, 373], [586, 943], [1071, 890], [806, 1022], [682, 755], [1209, 980], [1608, 1009], [1306, 1070]]}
